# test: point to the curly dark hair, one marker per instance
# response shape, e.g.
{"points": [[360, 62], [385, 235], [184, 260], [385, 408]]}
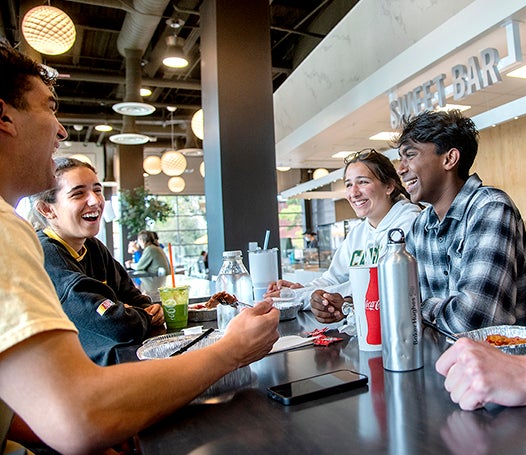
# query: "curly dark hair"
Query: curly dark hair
{"points": [[15, 75], [446, 130]]}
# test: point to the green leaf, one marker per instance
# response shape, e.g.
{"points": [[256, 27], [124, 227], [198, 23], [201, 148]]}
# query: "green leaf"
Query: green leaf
{"points": [[139, 206]]}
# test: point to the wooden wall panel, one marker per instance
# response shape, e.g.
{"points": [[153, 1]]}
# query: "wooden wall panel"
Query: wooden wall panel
{"points": [[501, 160]]}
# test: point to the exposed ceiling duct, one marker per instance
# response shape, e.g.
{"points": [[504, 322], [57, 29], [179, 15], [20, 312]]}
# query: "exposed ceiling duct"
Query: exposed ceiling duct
{"points": [[140, 24]]}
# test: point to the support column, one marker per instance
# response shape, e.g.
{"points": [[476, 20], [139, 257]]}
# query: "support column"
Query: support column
{"points": [[130, 157], [236, 78]]}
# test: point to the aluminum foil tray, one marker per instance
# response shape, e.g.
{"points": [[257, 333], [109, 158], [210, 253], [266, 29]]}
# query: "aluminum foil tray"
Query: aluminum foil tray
{"points": [[506, 330], [201, 315], [162, 346], [288, 308]]}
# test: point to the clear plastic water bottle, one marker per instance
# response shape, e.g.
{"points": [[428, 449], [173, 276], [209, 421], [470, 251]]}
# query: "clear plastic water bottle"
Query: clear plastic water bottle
{"points": [[234, 278], [400, 312]]}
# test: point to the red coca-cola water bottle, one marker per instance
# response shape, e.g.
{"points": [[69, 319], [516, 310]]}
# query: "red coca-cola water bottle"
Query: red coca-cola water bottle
{"points": [[372, 308]]}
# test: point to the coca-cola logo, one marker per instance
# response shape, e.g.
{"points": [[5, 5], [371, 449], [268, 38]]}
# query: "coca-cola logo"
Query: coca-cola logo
{"points": [[372, 305]]}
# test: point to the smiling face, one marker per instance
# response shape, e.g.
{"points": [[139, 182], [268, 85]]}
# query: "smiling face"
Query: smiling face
{"points": [[422, 171], [34, 134], [77, 212], [368, 196]]}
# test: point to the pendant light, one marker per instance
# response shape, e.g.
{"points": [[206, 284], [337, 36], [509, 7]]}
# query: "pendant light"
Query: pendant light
{"points": [[48, 30], [197, 124], [174, 57], [176, 184], [152, 165], [173, 163], [320, 172]]}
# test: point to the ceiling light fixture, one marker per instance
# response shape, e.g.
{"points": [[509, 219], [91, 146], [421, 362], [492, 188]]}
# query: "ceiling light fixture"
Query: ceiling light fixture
{"points": [[384, 136], [173, 163], [519, 72], [133, 108], [176, 184], [283, 168], [451, 107], [152, 165], [144, 91], [197, 124], [202, 169], [129, 139], [48, 30], [319, 173], [343, 154], [104, 127], [174, 57]]}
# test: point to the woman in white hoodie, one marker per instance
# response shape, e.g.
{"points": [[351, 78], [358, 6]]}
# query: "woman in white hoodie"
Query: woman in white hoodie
{"points": [[375, 192]]}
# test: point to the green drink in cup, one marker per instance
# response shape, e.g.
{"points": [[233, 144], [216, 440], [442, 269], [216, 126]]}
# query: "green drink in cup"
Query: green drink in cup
{"points": [[175, 306]]}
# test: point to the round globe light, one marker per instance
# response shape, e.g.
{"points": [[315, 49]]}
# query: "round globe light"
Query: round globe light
{"points": [[320, 172], [173, 163], [197, 124], [152, 165], [48, 30], [176, 184]]}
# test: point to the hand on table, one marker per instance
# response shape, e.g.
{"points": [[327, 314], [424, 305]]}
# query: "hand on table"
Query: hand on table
{"points": [[252, 332], [274, 288], [156, 312], [478, 373], [326, 307]]}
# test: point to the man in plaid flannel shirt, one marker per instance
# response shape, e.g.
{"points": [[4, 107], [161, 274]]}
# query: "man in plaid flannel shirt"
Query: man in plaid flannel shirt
{"points": [[470, 241]]}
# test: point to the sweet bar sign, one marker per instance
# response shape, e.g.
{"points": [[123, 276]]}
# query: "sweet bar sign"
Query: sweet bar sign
{"points": [[479, 72]]}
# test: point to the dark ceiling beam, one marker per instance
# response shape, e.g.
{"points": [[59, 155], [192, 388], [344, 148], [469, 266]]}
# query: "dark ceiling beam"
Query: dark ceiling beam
{"points": [[110, 102], [108, 79]]}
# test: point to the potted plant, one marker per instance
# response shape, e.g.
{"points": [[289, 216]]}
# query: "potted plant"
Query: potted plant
{"points": [[139, 208]]}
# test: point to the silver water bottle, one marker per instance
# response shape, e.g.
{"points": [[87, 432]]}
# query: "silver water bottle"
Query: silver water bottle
{"points": [[400, 311]]}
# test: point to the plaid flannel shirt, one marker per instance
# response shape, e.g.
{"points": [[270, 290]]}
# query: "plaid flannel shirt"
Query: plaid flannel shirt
{"points": [[472, 263]]}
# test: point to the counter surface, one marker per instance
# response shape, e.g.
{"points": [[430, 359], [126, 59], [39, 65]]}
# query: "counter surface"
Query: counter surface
{"points": [[398, 413]]}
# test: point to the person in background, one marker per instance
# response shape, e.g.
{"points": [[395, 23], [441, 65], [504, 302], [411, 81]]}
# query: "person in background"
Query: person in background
{"points": [[311, 240], [153, 266], [469, 242], [202, 262], [375, 192], [46, 378], [153, 261], [135, 251], [94, 289]]}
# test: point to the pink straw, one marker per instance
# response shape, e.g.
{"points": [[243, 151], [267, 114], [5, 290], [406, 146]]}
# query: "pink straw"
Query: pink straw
{"points": [[171, 264]]}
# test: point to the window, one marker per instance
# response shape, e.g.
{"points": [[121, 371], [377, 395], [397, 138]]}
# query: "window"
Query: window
{"points": [[186, 231], [291, 224]]}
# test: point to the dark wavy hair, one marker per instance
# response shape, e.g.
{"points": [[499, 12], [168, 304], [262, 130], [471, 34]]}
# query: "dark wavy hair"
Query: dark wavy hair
{"points": [[382, 169], [15, 73], [62, 165], [446, 130]]}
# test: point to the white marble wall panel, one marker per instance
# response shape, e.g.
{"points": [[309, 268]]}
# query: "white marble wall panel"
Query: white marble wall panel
{"points": [[371, 35]]}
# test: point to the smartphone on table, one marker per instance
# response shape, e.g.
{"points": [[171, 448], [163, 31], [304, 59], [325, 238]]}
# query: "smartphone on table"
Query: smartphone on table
{"points": [[322, 385]]}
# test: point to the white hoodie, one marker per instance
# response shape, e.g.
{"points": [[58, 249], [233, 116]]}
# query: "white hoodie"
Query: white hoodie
{"points": [[362, 240]]}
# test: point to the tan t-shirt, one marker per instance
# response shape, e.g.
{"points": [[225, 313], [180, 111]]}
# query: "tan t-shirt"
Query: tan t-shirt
{"points": [[28, 302]]}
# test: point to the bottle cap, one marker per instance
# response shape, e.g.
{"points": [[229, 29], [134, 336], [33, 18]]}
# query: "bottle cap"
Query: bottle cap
{"points": [[395, 235], [231, 254]]}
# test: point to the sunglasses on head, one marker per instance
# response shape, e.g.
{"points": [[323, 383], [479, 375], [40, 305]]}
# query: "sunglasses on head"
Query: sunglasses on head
{"points": [[361, 155]]}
